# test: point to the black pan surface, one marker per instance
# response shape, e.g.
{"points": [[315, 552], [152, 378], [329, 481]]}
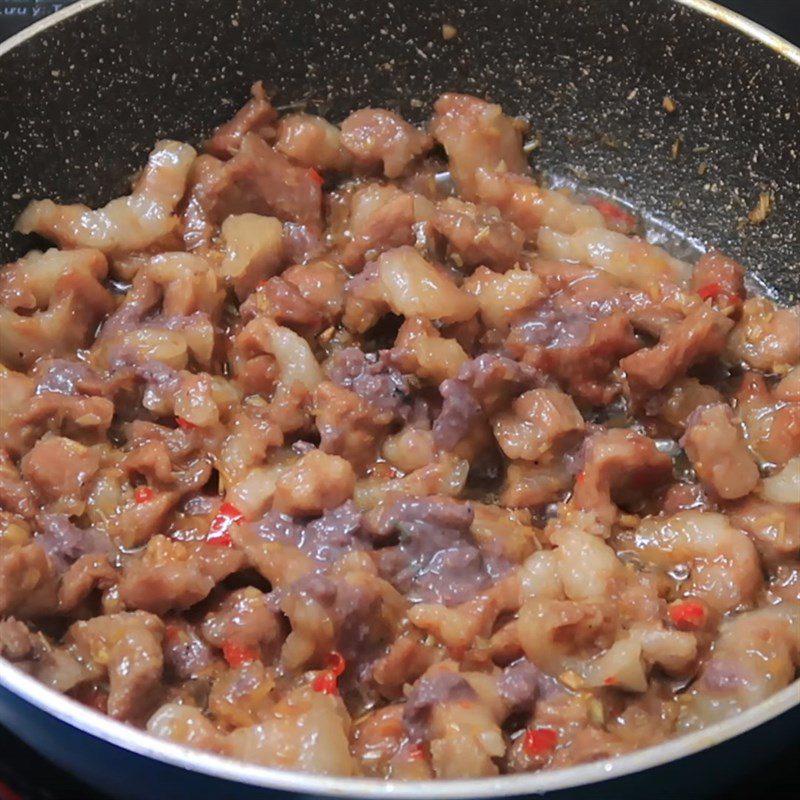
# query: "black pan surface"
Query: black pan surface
{"points": [[591, 77]]}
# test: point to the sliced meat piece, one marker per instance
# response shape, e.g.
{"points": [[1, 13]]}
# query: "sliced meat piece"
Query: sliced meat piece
{"points": [[632, 261], [356, 614], [175, 575], [185, 725], [85, 418], [317, 482], [618, 465], [756, 655], [66, 302], [585, 368], [771, 417], [678, 400], [325, 539], [430, 691], [349, 426], [63, 376], [720, 560], [420, 348], [306, 731], [372, 377], [257, 180], [88, 573], [312, 142], [715, 445], [16, 640], [129, 647], [529, 484], [538, 421], [256, 116], [16, 494], [64, 542], [186, 654], [701, 335], [381, 218], [282, 300], [774, 527], [128, 223], [504, 298], [376, 136], [685, 497], [495, 379], [460, 413], [414, 287], [243, 618], [25, 580], [477, 135], [436, 559], [254, 251], [767, 337], [61, 468], [478, 235]]}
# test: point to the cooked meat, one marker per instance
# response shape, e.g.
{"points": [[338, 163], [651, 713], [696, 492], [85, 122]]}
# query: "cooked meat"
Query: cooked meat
{"points": [[369, 472]]}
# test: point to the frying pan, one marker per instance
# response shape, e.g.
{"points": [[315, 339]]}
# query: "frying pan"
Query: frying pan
{"points": [[85, 93]]}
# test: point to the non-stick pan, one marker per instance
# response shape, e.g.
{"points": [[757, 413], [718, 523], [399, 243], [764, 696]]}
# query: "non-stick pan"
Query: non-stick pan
{"points": [[85, 93]]}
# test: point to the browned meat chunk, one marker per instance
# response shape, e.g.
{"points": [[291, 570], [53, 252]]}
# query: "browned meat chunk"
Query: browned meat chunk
{"points": [[767, 337], [312, 142], [175, 575], [129, 647], [701, 335], [323, 453], [538, 421], [317, 482], [477, 136], [530, 484], [375, 136], [478, 236], [771, 418], [715, 445], [256, 180], [60, 467], [618, 464], [256, 116], [16, 641], [381, 217]]}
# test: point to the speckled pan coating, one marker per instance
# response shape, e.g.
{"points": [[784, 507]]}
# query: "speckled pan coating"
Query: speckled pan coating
{"points": [[81, 103]]}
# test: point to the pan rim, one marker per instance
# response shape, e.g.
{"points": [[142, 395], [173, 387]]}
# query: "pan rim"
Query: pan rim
{"points": [[143, 744]]}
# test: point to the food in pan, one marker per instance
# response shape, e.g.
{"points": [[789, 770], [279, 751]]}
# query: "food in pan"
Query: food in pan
{"points": [[353, 449]]}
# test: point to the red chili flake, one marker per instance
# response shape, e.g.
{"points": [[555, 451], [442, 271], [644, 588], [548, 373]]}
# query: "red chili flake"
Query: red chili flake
{"points": [[610, 681], [143, 494], [185, 424], [580, 478], [709, 291], [416, 753], [689, 614], [236, 655], [539, 741], [612, 211], [336, 663], [172, 632], [219, 532], [316, 177], [325, 683]]}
